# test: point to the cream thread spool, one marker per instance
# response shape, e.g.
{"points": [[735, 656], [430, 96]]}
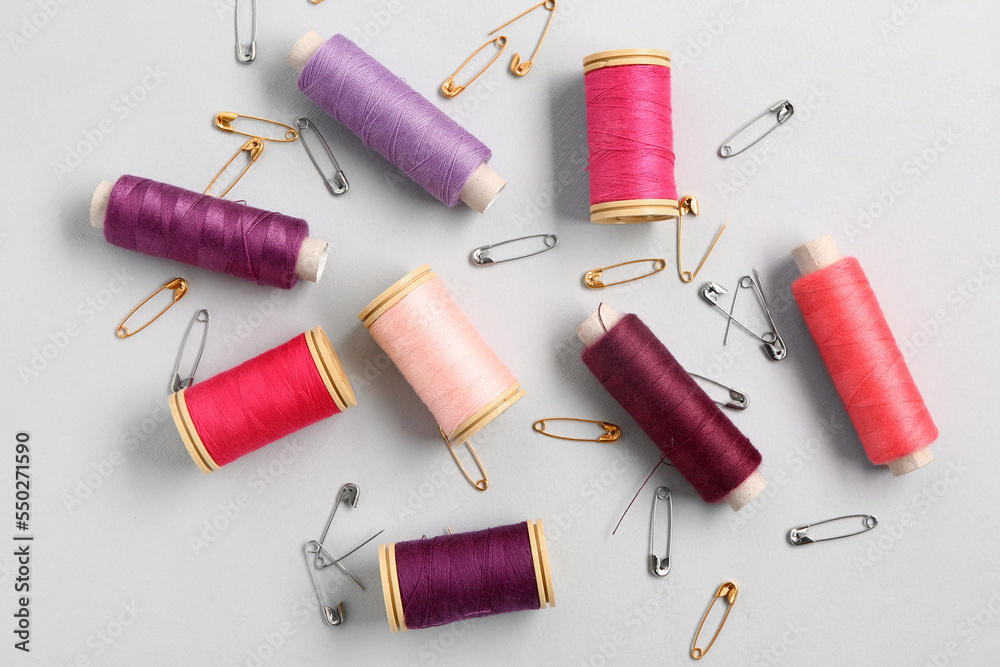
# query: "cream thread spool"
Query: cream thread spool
{"points": [[328, 365], [630, 210], [308, 266], [479, 191]]}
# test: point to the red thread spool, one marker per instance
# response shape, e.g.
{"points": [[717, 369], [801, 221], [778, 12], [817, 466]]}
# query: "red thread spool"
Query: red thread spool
{"points": [[630, 136], [858, 348], [261, 400]]}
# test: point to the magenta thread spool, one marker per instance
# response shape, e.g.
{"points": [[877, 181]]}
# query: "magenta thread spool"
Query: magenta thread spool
{"points": [[436, 581], [163, 220], [395, 121]]}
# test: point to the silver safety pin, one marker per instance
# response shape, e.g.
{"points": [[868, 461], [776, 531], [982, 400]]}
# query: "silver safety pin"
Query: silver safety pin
{"points": [[739, 400], [660, 566], [348, 494], [176, 382], [332, 616], [245, 53], [784, 111], [772, 341], [481, 255], [336, 184], [800, 534]]}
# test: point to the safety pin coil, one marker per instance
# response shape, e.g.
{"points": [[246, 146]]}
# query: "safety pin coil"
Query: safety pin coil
{"points": [[449, 89], [517, 67], [592, 279], [727, 591], [224, 121], [483, 483], [179, 287], [176, 382], [336, 184], [689, 205], [783, 111], [481, 255], [253, 147], [245, 53], [660, 566], [611, 432], [800, 534]]}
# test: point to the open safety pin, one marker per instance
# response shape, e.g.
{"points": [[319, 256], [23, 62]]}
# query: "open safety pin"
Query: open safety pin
{"points": [[783, 111], [517, 67], [449, 89], [336, 184], [177, 383], [773, 344], [179, 287], [611, 432], [660, 566], [592, 279], [481, 255], [689, 205], [800, 534], [224, 121], [740, 400], [254, 147]]}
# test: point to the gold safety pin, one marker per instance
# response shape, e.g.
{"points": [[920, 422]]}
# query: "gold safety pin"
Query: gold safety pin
{"points": [[224, 121], [254, 147], [611, 432], [179, 287], [689, 204], [728, 591], [482, 484], [592, 279], [449, 89], [518, 68]]}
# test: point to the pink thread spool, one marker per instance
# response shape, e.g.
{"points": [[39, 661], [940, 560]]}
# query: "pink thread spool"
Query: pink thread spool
{"points": [[309, 263], [214, 444], [458, 376], [396, 598], [630, 139]]}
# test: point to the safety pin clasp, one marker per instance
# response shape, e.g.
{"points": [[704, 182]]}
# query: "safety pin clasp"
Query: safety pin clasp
{"points": [[727, 591], [337, 183], [245, 53], [799, 535], [783, 110], [738, 400], [481, 255], [224, 121], [176, 382], [611, 432], [449, 89], [179, 286], [517, 67], [254, 147], [688, 205], [660, 566], [592, 279], [484, 482]]}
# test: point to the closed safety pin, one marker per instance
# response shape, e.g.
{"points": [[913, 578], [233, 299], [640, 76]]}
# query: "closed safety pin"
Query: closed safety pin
{"points": [[592, 279], [611, 432], [177, 383], [783, 111], [332, 616], [254, 147], [689, 204], [179, 287], [800, 534], [660, 566], [739, 400], [449, 89], [483, 483], [336, 184], [245, 53], [727, 591], [224, 121], [348, 494], [518, 68], [481, 255]]}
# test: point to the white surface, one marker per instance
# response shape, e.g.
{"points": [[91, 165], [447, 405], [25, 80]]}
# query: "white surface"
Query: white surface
{"points": [[901, 594]]}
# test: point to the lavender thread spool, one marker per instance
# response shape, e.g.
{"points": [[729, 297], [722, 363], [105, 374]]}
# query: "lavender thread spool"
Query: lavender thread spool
{"points": [[481, 184]]}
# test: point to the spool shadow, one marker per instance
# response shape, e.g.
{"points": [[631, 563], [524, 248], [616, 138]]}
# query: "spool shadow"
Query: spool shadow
{"points": [[568, 111]]}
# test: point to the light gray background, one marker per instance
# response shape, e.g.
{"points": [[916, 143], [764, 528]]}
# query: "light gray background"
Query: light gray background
{"points": [[896, 106]]}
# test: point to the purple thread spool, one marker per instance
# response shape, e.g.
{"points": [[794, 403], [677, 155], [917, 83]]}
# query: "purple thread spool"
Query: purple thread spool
{"points": [[431, 582], [395, 120], [163, 220]]}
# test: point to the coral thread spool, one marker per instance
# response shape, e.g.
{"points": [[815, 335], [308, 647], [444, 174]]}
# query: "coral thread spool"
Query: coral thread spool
{"points": [[464, 392], [631, 139], [482, 185], [418, 598], [906, 427], [309, 261], [320, 387], [738, 493]]}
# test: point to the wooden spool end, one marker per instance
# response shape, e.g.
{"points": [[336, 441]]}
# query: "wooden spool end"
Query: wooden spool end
{"points": [[189, 434], [394, 294], [619, 57], [631, 211]]}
